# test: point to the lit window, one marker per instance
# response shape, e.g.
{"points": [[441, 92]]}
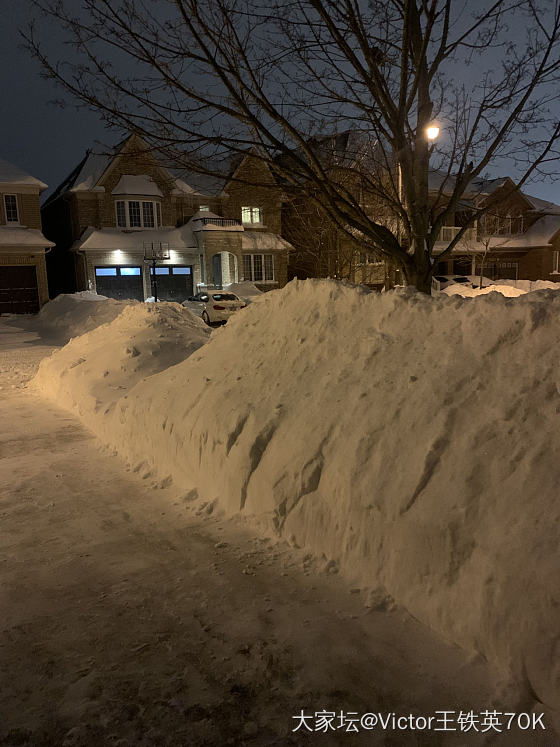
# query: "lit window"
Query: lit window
{"points": [[258, 267], [204, 208], [251, 215], [11, 206], [555, 263], [130, 270], [105, 271]]}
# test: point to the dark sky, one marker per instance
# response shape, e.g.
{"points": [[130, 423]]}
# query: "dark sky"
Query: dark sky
{"points": [[48, 141], [41, 138]]}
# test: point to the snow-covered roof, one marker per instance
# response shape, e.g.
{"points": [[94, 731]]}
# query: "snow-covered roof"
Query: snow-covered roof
{"points": [[107, 239], [540, 233], [259, 241], [28, 237], [10, 174], [543, 206], [92, 169], [129, 184]]}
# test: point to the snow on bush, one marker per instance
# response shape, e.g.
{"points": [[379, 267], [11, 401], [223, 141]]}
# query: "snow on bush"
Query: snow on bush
{"points": [[411, 440], [94, 370], [73, 314]]}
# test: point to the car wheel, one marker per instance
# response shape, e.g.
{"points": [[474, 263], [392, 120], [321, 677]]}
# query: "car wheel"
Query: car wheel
{"points": [[205, 318]]}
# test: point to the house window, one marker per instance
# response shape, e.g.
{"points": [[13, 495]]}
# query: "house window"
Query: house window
{"points": [[121, 214], [134, 214], [555, 263], [11, 207], [251, 215], [204, 208], [148, 214], [258, 267], [138, 214]]}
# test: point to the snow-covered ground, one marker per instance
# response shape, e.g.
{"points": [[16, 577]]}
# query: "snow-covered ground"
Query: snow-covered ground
{"points": [[508, 288], [134, 615]]}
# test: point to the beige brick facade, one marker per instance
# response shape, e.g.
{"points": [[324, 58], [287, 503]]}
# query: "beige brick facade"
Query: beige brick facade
{"points": [[70, 214], [22, 243]]}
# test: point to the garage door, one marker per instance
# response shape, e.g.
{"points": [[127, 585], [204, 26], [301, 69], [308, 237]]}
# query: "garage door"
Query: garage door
{"points": [[174, 282], [121, 283], [19, 293]]}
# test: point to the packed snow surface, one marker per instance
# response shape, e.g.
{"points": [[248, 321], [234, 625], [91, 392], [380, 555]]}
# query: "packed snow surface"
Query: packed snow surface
{"points": [[411, 441]]}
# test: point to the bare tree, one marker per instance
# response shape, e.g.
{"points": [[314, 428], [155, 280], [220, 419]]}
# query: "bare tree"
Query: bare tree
{"points": [[199, 79]]}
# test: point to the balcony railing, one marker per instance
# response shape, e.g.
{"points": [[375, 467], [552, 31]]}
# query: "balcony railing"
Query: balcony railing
{"points": [[448, 233], [222, 222]]}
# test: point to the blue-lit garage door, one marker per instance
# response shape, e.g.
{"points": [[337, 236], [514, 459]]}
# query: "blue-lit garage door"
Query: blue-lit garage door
{"points": [[121, 283], [174, 282]]}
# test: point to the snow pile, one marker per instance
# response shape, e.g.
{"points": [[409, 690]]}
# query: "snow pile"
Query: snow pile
{"points": [[459, 289], [94, 370], [73, 314], [246, 290], [531, 285], [412, 441]]}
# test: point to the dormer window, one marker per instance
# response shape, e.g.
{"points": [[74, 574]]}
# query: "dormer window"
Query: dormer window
{"points": [[251, 214], [11, 208], [138, 213]]}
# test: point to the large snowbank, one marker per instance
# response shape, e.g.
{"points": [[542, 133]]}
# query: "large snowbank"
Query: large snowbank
{"points": [[412, 441], [94, 370]]}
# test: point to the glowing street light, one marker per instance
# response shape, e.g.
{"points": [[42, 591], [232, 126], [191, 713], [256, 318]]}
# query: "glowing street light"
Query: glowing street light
{"points": [[432, 132]]}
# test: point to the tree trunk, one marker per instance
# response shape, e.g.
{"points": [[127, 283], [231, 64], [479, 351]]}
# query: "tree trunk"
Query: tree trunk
{"points": [[418, 272]]}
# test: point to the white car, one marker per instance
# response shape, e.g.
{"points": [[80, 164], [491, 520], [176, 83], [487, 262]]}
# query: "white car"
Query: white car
{"points": [[216, 306]]}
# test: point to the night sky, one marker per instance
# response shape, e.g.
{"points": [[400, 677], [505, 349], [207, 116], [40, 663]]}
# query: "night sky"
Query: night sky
{"points": [[47, 140]]}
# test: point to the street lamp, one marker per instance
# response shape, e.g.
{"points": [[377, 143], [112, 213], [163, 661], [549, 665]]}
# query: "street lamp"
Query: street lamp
{"points": [[432, 132]]}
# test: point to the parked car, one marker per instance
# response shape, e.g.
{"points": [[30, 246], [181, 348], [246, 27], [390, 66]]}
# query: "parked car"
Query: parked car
{"points": [[216, 306]]}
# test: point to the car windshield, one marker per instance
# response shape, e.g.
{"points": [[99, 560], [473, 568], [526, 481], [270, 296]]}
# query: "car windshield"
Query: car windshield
{"points": [[224, 297]]}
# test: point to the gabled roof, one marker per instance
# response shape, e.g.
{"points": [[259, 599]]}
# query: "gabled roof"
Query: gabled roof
{"points": [[91, 169], [13, 175]]}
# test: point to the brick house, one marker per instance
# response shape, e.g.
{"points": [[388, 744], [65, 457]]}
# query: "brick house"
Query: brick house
{"points": [[117, 212], [519, 237], [23, 275]]}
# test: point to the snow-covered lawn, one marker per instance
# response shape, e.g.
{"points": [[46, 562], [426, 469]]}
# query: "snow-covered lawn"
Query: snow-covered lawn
{"points": [[134, 615]]}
